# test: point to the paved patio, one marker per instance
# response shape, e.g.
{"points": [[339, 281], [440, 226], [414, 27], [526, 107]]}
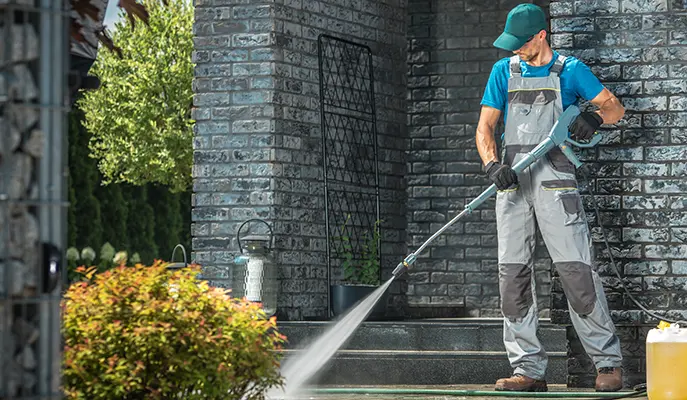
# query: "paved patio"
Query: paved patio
{"points": [[478, 388]]}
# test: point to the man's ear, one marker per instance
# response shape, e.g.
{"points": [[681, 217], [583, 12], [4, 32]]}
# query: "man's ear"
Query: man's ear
{"points": [[543, 35]]}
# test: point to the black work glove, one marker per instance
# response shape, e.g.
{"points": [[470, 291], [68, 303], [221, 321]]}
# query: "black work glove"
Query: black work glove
{"points": [[584, 126], [502, 175]]}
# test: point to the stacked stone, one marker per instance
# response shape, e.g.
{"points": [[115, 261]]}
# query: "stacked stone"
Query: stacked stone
{"points": [[21, 145]]}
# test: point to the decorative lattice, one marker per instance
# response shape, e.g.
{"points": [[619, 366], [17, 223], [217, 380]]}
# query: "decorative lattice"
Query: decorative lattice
{"points": [[349, 139]]}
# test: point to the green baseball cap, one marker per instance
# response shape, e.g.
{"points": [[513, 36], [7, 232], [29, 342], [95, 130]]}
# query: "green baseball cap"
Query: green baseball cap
{"points": [[524, 21]]}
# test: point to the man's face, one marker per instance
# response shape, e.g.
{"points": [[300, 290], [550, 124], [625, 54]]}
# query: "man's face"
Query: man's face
{"points": [[531, 49]]}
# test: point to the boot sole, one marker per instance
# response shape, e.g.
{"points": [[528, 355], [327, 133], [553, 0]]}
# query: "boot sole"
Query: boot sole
{"points": [[609, 390]]}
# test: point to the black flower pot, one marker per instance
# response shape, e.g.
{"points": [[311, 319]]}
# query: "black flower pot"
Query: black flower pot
{"points": [[345, 297]]}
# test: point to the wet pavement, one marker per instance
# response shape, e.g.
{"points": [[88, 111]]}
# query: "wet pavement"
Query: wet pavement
{"points": [[555, 391]]}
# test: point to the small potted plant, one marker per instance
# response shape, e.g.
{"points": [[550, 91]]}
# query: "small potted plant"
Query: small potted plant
{"points": [[361, 274]]}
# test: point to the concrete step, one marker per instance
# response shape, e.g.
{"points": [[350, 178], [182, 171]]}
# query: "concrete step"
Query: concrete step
{"points": [[395, 367], [427, 352], [478, 334]]}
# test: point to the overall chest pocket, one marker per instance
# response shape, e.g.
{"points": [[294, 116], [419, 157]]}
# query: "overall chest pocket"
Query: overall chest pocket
{"points": [[537, 96]]}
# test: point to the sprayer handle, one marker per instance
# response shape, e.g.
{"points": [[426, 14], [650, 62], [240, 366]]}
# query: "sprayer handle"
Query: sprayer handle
{"points": [[568, 152], [596, 138]]}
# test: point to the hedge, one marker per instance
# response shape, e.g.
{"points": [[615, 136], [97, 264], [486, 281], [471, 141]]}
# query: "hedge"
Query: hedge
{"points": [[148, 220]]}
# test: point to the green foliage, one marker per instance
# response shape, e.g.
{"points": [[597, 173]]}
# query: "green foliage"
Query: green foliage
{"points": [[167, 208], [141, 115], [107, 258], [71, 215], [363, 268], [114, 214], [84, 205], [72, 255], [72, 151], [145, 332], [161, 218], [141, 223], [185, 210], [88, 255], [107, 253]]}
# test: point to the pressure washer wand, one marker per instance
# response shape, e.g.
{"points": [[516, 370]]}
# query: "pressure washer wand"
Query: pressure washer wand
{"points": [[558, 136]]}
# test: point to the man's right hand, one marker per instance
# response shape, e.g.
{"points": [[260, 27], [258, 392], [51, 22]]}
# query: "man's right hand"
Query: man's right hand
{"points": [[502, 175]]}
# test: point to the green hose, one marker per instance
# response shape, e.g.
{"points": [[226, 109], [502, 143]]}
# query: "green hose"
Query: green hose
{"points": [[484, 393]]}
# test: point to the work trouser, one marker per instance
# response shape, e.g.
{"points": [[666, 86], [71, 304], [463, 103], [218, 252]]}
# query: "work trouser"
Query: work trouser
{"points": [[550, 197]]}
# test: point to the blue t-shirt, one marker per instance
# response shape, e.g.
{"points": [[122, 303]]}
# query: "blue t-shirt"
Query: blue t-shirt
{"points": [[577, 80]]}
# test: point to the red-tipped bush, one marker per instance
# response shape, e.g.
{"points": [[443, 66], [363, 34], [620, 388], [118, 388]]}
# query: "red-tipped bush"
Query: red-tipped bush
{"points": [[146, 332]]}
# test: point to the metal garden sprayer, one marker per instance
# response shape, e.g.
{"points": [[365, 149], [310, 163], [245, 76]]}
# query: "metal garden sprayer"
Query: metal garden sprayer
{"points": [[557, 137]]}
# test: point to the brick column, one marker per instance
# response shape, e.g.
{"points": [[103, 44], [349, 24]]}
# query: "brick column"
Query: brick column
{"points": [[234, 130], [636, 48], [258, 138]]}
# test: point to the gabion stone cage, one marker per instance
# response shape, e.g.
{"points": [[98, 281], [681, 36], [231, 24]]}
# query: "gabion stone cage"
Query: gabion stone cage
{"points": [[33, 57]]}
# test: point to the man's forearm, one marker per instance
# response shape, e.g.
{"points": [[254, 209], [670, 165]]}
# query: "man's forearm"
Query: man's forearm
{"points": [[486, 145], [611, 110]]}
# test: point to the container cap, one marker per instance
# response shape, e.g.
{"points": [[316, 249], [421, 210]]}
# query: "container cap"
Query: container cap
{"points": [[668, 333]]}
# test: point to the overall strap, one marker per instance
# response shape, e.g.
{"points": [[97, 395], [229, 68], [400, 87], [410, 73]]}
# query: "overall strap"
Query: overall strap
{"points": [[557, 66], [515, 66]]}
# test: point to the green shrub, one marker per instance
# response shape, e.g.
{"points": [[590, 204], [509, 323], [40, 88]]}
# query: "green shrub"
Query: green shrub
{"points": [[363, 268], [140, 117], [145, 332], [109, 257]]}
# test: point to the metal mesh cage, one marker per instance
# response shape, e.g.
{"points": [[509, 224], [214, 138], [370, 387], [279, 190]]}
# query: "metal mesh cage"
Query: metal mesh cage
{"points": [[33, 49], [349, 145]]}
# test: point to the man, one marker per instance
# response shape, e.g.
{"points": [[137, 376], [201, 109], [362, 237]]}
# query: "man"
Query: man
{"points": [[532, 88]]}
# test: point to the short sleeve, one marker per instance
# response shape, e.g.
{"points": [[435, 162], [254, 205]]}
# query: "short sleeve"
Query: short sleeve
{"points": [[496, 91], [585, 83]]}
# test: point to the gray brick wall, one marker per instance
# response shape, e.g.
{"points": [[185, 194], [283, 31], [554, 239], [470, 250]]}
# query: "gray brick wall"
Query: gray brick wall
{"points": [[450, 57], [233, 144], [258, 138], [636, 47]]}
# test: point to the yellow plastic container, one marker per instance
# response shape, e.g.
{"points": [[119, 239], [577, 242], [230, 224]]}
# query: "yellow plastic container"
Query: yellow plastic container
{"points": [[666, 362]]}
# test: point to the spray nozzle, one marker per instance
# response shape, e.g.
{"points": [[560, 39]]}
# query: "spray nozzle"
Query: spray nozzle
{"points": [[404, 265]]}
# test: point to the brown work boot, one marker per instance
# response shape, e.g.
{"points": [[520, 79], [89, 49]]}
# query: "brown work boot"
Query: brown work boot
{"points": [[521, 383], [609, 379]]}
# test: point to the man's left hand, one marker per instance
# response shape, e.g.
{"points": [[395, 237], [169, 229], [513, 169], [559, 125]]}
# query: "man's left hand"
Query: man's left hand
{"points": [[584, 126]]}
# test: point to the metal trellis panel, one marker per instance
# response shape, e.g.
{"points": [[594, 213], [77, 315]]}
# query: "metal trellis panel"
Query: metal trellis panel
{"points": [[349, 146]]}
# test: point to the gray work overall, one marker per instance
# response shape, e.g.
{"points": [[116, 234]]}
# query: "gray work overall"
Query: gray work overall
{"points": [[547, 193]]}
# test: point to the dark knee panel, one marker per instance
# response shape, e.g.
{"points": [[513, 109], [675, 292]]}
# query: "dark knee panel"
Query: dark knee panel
{"points": [[578, 285], [515, 285]]}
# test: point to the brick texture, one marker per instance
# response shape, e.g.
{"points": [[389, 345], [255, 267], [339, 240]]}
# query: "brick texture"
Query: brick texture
{"points": [[258, 150], [450, 57], [234, 109], [258, 140], [635, 48]]}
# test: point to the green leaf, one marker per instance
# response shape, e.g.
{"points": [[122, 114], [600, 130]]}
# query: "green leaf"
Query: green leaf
{"points": [[140, 117], [127, 335]]}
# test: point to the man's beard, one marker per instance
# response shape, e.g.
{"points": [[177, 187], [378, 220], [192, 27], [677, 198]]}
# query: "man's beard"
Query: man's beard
{"points": [[529, 57]]}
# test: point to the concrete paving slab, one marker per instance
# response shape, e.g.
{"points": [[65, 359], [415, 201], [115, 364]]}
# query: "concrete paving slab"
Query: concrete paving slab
{"points": [[555, 391]]}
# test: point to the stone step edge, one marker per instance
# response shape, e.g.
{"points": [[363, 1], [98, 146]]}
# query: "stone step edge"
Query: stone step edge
{"points": [[425, 353], [429, 323]]}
